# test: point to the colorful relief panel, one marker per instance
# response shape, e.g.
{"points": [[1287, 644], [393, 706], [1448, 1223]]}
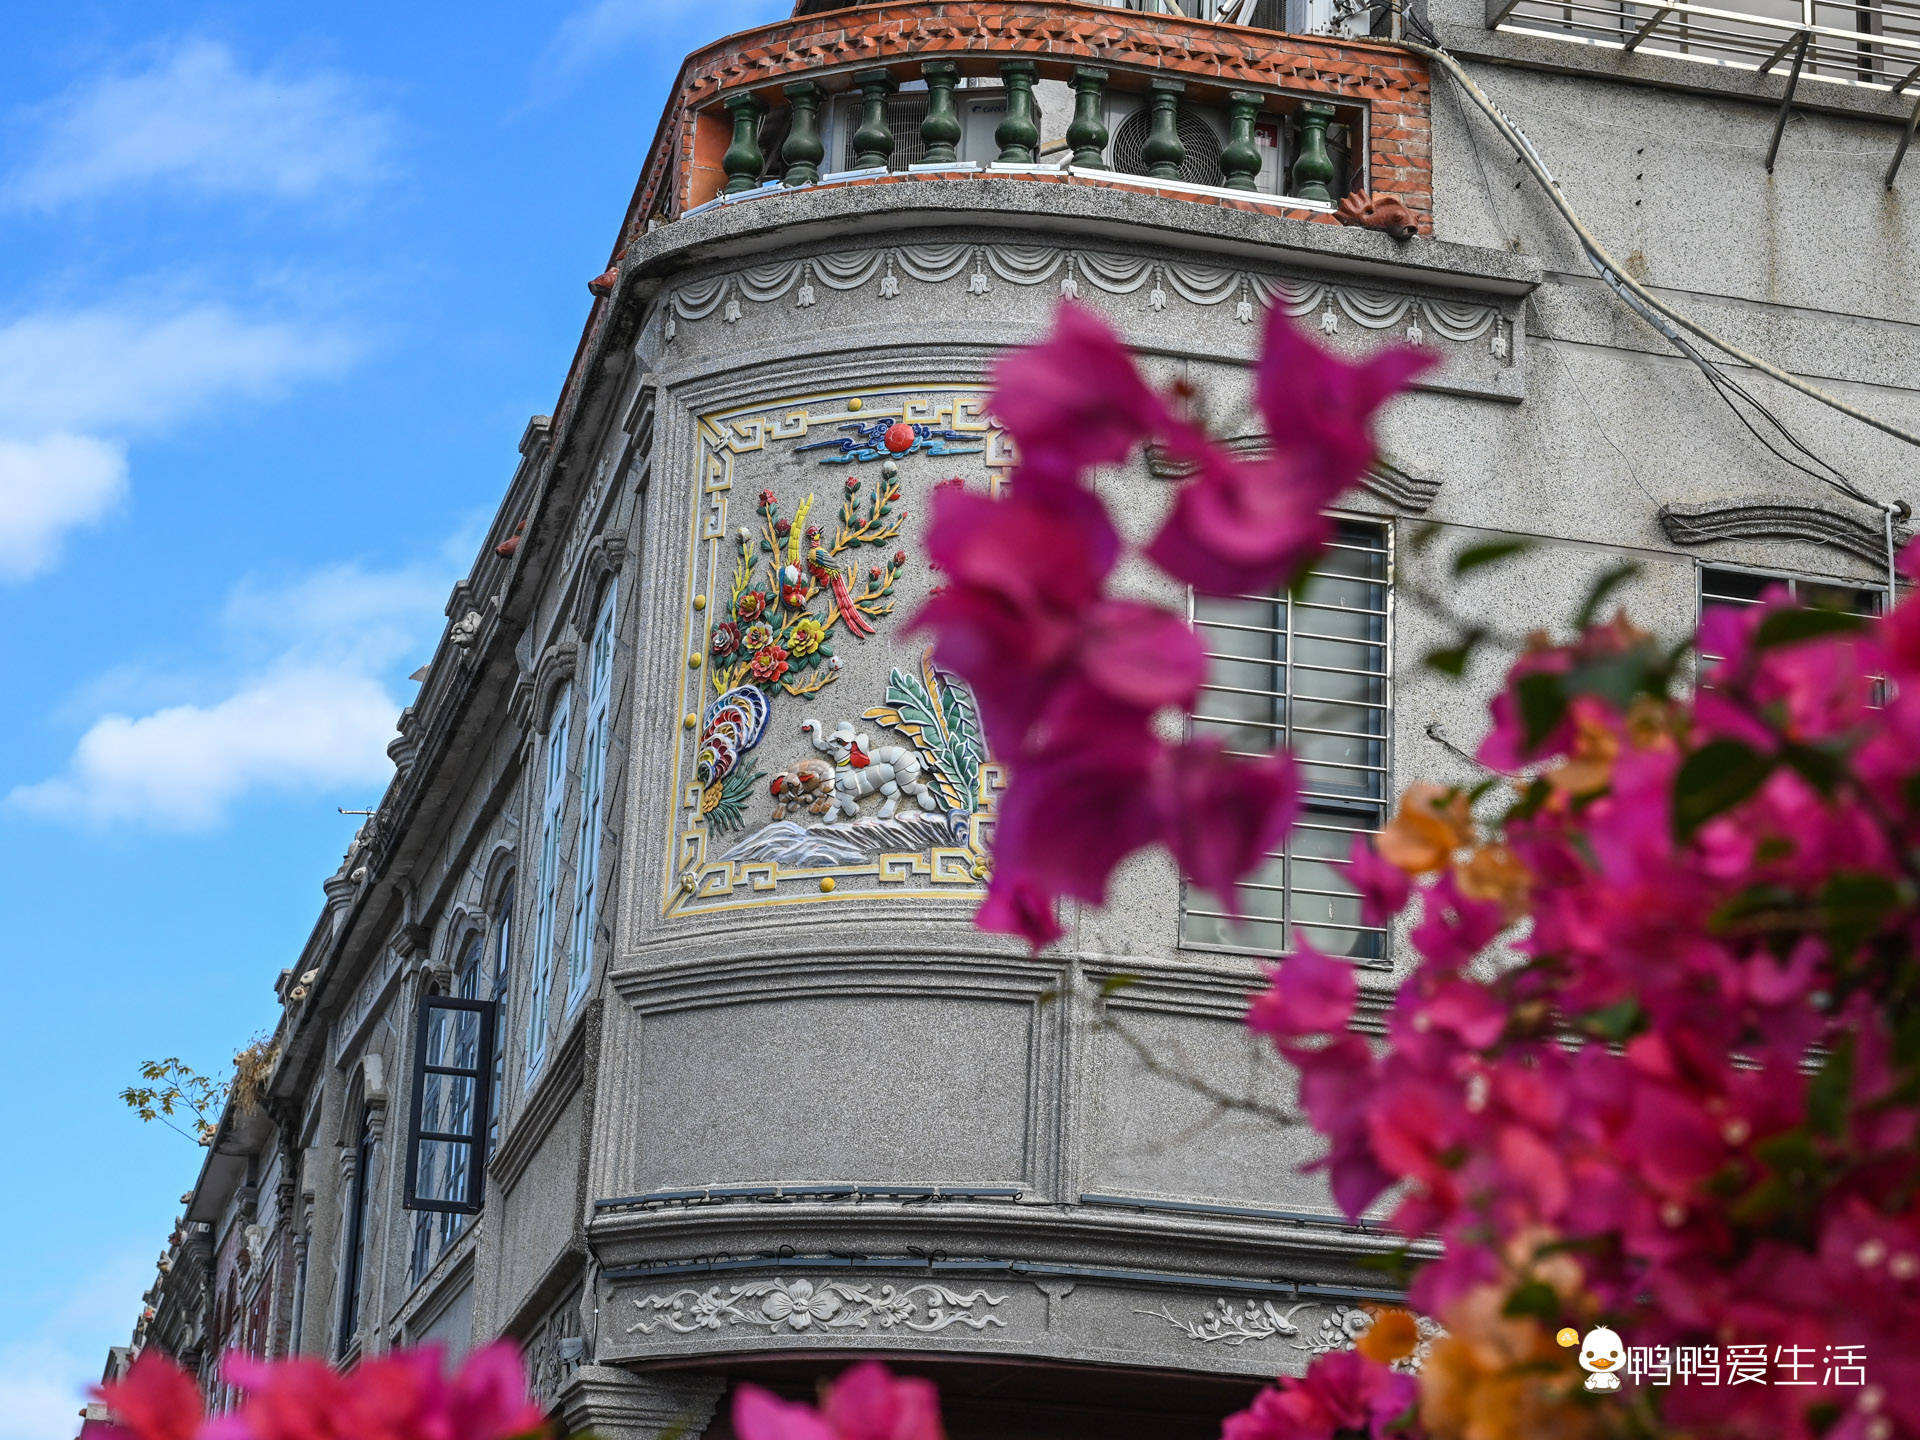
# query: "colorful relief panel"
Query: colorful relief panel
{"points": [[822, 753]]}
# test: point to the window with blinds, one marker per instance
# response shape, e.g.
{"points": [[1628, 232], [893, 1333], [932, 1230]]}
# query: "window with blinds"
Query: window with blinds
{"points": [[1308, 673], [1722, 589]]}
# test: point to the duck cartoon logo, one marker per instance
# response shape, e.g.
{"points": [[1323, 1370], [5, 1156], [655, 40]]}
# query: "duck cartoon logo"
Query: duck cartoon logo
{"points": [[1601, 1356]]}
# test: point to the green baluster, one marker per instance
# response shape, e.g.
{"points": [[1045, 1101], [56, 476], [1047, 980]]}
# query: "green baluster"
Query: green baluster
{"points": [[940, 131], [1313, 167], [1088, 133], [1240, 158], [802, 149], [873, 141], [1164, 149], [743, 161], [1017, 135]]}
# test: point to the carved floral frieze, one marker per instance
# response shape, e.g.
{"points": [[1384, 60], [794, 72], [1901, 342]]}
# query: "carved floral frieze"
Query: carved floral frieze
{"points": [[789, 1306]]}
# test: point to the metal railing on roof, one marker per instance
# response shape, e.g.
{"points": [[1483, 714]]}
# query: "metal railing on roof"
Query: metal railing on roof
{"points": [[1873, 43]]}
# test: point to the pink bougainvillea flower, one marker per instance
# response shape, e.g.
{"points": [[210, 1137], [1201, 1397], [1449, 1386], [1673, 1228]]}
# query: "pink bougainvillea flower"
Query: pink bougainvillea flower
{"points": [[1343, 1394], [1020, 577], [1307, 994], [760, 1415], [1224, 815], [868, 1402], [1069, 815], [1245, 526], [1017, 906], [400, 1396], [1384, 889], [490, 1400], [1318, 407], [1074, 401], [155, 1400]]}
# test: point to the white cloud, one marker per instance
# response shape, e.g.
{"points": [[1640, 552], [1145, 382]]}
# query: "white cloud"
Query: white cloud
{"points": [[48, 487], [141, 365], [305, 728], [74, 383], [304, 709], [195, 119], [44, 1380]]}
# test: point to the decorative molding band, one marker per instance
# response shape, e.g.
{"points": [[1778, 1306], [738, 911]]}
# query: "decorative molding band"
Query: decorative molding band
{"points": [[1408, 493], [1158, 282], [1778, 519], [782, 1305], [1233, 1324]]}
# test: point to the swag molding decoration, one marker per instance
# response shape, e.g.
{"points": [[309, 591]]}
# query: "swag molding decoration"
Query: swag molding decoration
{"points": [[1321, 305]]}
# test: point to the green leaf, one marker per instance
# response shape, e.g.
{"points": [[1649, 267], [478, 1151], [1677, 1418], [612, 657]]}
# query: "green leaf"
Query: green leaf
{"points": [[1451, 660], [1795, 627], [1714, 779], [1821, 766], [1492, 552], [1542, 700], [1828, 1094], [1791, 1153], [1604, 585], [1535, 1298], [1855, 904], [1613, 1022], [1114, 984]]}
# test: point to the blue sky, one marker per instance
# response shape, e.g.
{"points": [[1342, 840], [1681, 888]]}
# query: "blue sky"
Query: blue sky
{"points": [[279, 288]]}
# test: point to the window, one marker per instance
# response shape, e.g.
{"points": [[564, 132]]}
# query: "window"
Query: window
{"points": [[502, 974], [353, 1257], [1724, 589], [552, 802], [452, 1068], [1307, 673], [444, 1105], [593, 784]]}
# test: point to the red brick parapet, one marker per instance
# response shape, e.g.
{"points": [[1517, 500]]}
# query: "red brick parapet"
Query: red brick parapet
{"points": [[683, 167], [683, 163]]}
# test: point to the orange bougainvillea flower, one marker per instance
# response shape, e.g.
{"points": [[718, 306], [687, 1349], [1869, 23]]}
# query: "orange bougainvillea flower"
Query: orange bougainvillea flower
{"points": [[1394, 1335], [1497, 1377], [1494, 872], [1432, 823]]}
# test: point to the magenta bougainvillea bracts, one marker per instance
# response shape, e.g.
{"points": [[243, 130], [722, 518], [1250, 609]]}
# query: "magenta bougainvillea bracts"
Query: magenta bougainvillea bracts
{"points": [[405, 1395], [1653, 1071], [1072, 678]]}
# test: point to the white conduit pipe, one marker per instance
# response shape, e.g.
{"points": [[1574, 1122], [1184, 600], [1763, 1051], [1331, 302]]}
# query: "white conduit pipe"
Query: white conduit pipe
{"points": [[1657, 312]]}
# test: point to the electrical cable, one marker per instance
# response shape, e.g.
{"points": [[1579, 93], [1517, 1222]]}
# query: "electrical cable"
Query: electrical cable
{"points": [[1663, 317]]}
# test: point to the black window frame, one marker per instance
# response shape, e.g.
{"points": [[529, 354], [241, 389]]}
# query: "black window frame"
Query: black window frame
{"points": [[480, 1074]]}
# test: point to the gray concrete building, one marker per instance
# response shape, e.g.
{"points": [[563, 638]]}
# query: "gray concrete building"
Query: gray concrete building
{"points": [[644, 1027]]}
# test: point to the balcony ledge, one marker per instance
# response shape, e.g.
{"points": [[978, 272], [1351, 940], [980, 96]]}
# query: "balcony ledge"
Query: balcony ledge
{"points": [[896, 204]]}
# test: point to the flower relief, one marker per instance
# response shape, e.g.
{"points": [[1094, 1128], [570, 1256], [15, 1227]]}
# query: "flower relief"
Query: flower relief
{"points": [[802, 1305], [802, 590]]}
